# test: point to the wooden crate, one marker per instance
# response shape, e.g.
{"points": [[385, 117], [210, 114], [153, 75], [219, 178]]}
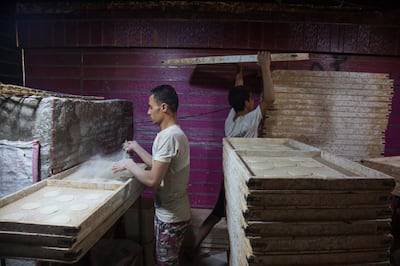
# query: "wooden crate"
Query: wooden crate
{"points": [[62, 217], [291, 201]]}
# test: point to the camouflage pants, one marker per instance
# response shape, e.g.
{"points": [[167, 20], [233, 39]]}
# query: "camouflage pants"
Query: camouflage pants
{"points": [[169, 238]]}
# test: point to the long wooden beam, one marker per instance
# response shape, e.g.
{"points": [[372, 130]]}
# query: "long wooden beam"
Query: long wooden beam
{"points": [[233, 59]]}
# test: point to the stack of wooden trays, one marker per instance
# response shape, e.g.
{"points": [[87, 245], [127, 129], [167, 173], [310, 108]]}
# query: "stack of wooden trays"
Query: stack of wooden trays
{"points": [[292, 204], [61, 218]]}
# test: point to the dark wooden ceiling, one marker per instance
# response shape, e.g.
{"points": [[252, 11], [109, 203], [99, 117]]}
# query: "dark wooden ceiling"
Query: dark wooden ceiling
{"points": [[358, 11]]}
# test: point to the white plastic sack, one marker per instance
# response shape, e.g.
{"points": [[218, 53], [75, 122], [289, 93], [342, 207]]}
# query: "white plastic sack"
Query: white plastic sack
{"points": [[15, 166]]}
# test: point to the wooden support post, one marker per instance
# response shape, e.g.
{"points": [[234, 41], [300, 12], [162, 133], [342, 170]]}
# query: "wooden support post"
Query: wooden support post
{"points": [[233, 59]]}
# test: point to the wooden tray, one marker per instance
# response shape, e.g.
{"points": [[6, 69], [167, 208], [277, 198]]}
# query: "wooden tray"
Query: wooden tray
{"points": [[338, 257], [268, 144], [295, 214], [61, 217], [317, 228]]}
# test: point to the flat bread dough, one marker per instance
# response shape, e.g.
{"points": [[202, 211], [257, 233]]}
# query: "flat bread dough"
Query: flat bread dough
{"points": [[284, 163], [30, 206], [49, 209], [64, 198], [79, 207], [93, 196]]}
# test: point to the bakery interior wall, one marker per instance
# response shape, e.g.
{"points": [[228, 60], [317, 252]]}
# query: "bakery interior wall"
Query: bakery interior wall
{"points": [[115, 49], [10, 54]]}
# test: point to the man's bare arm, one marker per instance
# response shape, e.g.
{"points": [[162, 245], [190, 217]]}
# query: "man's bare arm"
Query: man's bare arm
{"points": [[268, 95], [151, 178], [239, 76], [139, 150]]}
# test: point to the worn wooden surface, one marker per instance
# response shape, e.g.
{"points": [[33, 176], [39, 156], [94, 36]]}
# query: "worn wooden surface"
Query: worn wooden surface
{"points": [[286, 203], [233, 59]]}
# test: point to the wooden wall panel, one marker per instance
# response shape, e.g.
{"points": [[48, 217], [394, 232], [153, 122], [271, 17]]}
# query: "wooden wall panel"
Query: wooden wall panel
{"points": [[131, 73], [121, 58], [10, 55]]}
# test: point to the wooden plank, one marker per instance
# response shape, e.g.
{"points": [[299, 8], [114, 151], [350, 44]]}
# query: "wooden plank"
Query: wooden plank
{"points": [[344, 89], [341, 97], [291, 214], [269, 144], [34, 239], [329, 125], [266, 245], [309, 183], [336, 137], [389, 165], [329, 108], [233, 59], [296, 114], [307, 80], [317, 228], [315, 199], [293, 74], [334, 257], [281, 100]]}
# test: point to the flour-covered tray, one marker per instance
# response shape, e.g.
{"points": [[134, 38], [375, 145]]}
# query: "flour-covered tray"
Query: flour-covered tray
{"points": [[57, 216]]}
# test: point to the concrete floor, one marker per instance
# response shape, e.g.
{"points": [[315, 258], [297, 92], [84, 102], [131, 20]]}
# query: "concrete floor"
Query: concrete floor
{"points": [[214, 259]]}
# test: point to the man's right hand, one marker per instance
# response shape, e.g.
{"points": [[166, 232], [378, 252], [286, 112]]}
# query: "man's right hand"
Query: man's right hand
{"points": [[264, 58]]}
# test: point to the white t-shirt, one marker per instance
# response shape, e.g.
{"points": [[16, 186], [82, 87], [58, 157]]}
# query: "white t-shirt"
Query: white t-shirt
{"points": [[171, 199], [245, 126]]}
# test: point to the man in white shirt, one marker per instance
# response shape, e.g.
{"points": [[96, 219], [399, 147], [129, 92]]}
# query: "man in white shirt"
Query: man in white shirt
{"points": [[168, 175], [243, 121]]}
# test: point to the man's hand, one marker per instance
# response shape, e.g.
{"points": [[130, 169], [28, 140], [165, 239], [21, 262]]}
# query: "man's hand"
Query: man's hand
{"points": [[121, 165], [129, 146], [264, 59]]}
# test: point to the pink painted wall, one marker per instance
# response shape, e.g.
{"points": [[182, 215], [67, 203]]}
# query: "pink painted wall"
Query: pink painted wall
{"points": [[122, 59]]}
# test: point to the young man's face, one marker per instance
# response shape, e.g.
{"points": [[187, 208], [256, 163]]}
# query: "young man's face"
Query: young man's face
{"points": [[155, 111]]}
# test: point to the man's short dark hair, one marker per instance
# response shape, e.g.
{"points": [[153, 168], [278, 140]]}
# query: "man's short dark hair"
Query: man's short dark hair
{"points": [[166, 94], [238, 96]]}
